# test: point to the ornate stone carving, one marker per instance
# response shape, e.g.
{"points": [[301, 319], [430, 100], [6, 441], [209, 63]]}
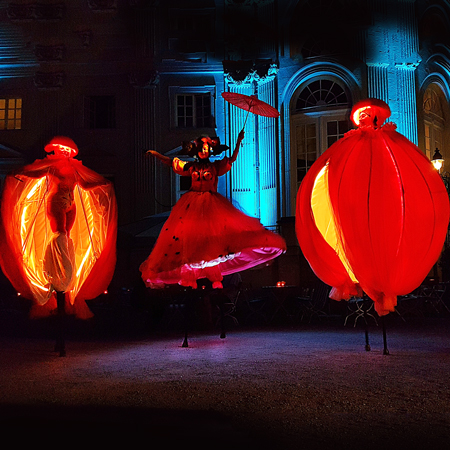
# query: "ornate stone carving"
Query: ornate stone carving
{"points": [[49, 80], [49, 52], [85, 37], [243, 72]]}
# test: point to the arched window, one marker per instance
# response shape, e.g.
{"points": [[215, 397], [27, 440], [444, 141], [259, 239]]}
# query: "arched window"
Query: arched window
{"points": [[321, 93], [319, 117], [434, 119]]}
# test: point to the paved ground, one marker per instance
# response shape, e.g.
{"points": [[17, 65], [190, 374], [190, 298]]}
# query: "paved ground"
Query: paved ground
{"points": [[289, 387]]}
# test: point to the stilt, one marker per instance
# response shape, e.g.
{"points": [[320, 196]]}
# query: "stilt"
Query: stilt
{"points": [[187, 299], [366, 330], [222, 322], [385, 349], [185, 341], [60, 345]]}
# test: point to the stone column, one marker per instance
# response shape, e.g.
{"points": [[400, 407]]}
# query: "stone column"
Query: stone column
{"points": [[244, 173], [377, 81], [253, 177], [144, 139], [391, 58]]}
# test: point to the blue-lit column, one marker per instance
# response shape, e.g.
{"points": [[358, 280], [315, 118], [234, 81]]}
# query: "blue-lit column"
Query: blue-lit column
{"points": [[267, 140], [377, 78], [392, 57], [253, 177], [244, 172], [406, 101]]}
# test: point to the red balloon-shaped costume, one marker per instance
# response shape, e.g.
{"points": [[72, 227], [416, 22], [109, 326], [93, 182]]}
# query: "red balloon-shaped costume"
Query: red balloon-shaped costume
{"points": [[205, 236], [58, 231], [372, 212]]}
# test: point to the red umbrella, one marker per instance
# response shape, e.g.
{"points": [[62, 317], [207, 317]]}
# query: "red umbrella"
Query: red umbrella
{"points": [[250, 103]]}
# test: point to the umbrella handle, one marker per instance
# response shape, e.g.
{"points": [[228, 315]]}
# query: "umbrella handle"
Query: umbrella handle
{"points": [[246, 117]]}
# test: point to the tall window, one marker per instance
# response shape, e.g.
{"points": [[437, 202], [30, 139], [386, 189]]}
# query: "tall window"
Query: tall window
{"points": [[193, 110], [320, 117], [306, 139], [336, 130], [434, 121], [10, 113], [100, 111]]}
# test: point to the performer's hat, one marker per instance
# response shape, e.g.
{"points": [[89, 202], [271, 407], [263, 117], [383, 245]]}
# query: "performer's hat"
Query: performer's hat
{"points": [[191, 148], [63, 141]]}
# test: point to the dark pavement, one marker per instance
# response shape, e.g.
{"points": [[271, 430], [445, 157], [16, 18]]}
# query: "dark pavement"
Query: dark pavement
{"points": [[288, 386]]}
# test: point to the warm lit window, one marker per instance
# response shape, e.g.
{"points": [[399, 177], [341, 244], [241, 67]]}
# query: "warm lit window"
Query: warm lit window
{"points": [[193, 110], [100, 111], [10, 113]]}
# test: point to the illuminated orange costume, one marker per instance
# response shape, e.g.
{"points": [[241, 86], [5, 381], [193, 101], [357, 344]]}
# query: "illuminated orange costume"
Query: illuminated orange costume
{"points": [[58, 230], [205, 236]]}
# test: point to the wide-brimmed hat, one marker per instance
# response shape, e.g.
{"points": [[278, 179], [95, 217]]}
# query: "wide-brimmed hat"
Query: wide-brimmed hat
{"points": [[192, 148]]}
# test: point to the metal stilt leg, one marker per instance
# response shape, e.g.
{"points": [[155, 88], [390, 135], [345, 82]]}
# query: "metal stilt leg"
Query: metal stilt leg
{"points": [[366, 331], [385, 349], [222, 322], [185, 341], [60, 345]]}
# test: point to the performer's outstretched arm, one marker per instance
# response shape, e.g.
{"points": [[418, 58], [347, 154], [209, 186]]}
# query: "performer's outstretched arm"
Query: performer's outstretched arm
{"points": [[33, 173], [238, 144], [164, 159]]}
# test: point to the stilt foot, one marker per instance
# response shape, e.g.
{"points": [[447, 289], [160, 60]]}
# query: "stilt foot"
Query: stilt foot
{"points": [[60, 348], [366, 331]]}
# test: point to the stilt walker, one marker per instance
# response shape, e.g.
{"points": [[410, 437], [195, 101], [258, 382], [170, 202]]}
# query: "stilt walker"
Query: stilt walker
{"points": [[58, 233], [372, 212], [205, 236]]}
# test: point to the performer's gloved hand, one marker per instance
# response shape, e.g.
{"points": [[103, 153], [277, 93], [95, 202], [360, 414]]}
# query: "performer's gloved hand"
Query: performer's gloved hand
{"points": [[163, 158]]}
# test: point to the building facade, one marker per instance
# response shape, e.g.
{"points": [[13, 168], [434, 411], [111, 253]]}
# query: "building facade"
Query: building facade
{"points": [[124, 76]]}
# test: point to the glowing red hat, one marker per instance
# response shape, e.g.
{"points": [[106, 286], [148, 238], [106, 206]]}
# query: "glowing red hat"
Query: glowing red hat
{"points": [[375, 108], [57, 142]]}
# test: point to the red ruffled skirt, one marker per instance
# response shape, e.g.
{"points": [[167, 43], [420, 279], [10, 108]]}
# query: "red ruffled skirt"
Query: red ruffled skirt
{"points": [[205, 236]]}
